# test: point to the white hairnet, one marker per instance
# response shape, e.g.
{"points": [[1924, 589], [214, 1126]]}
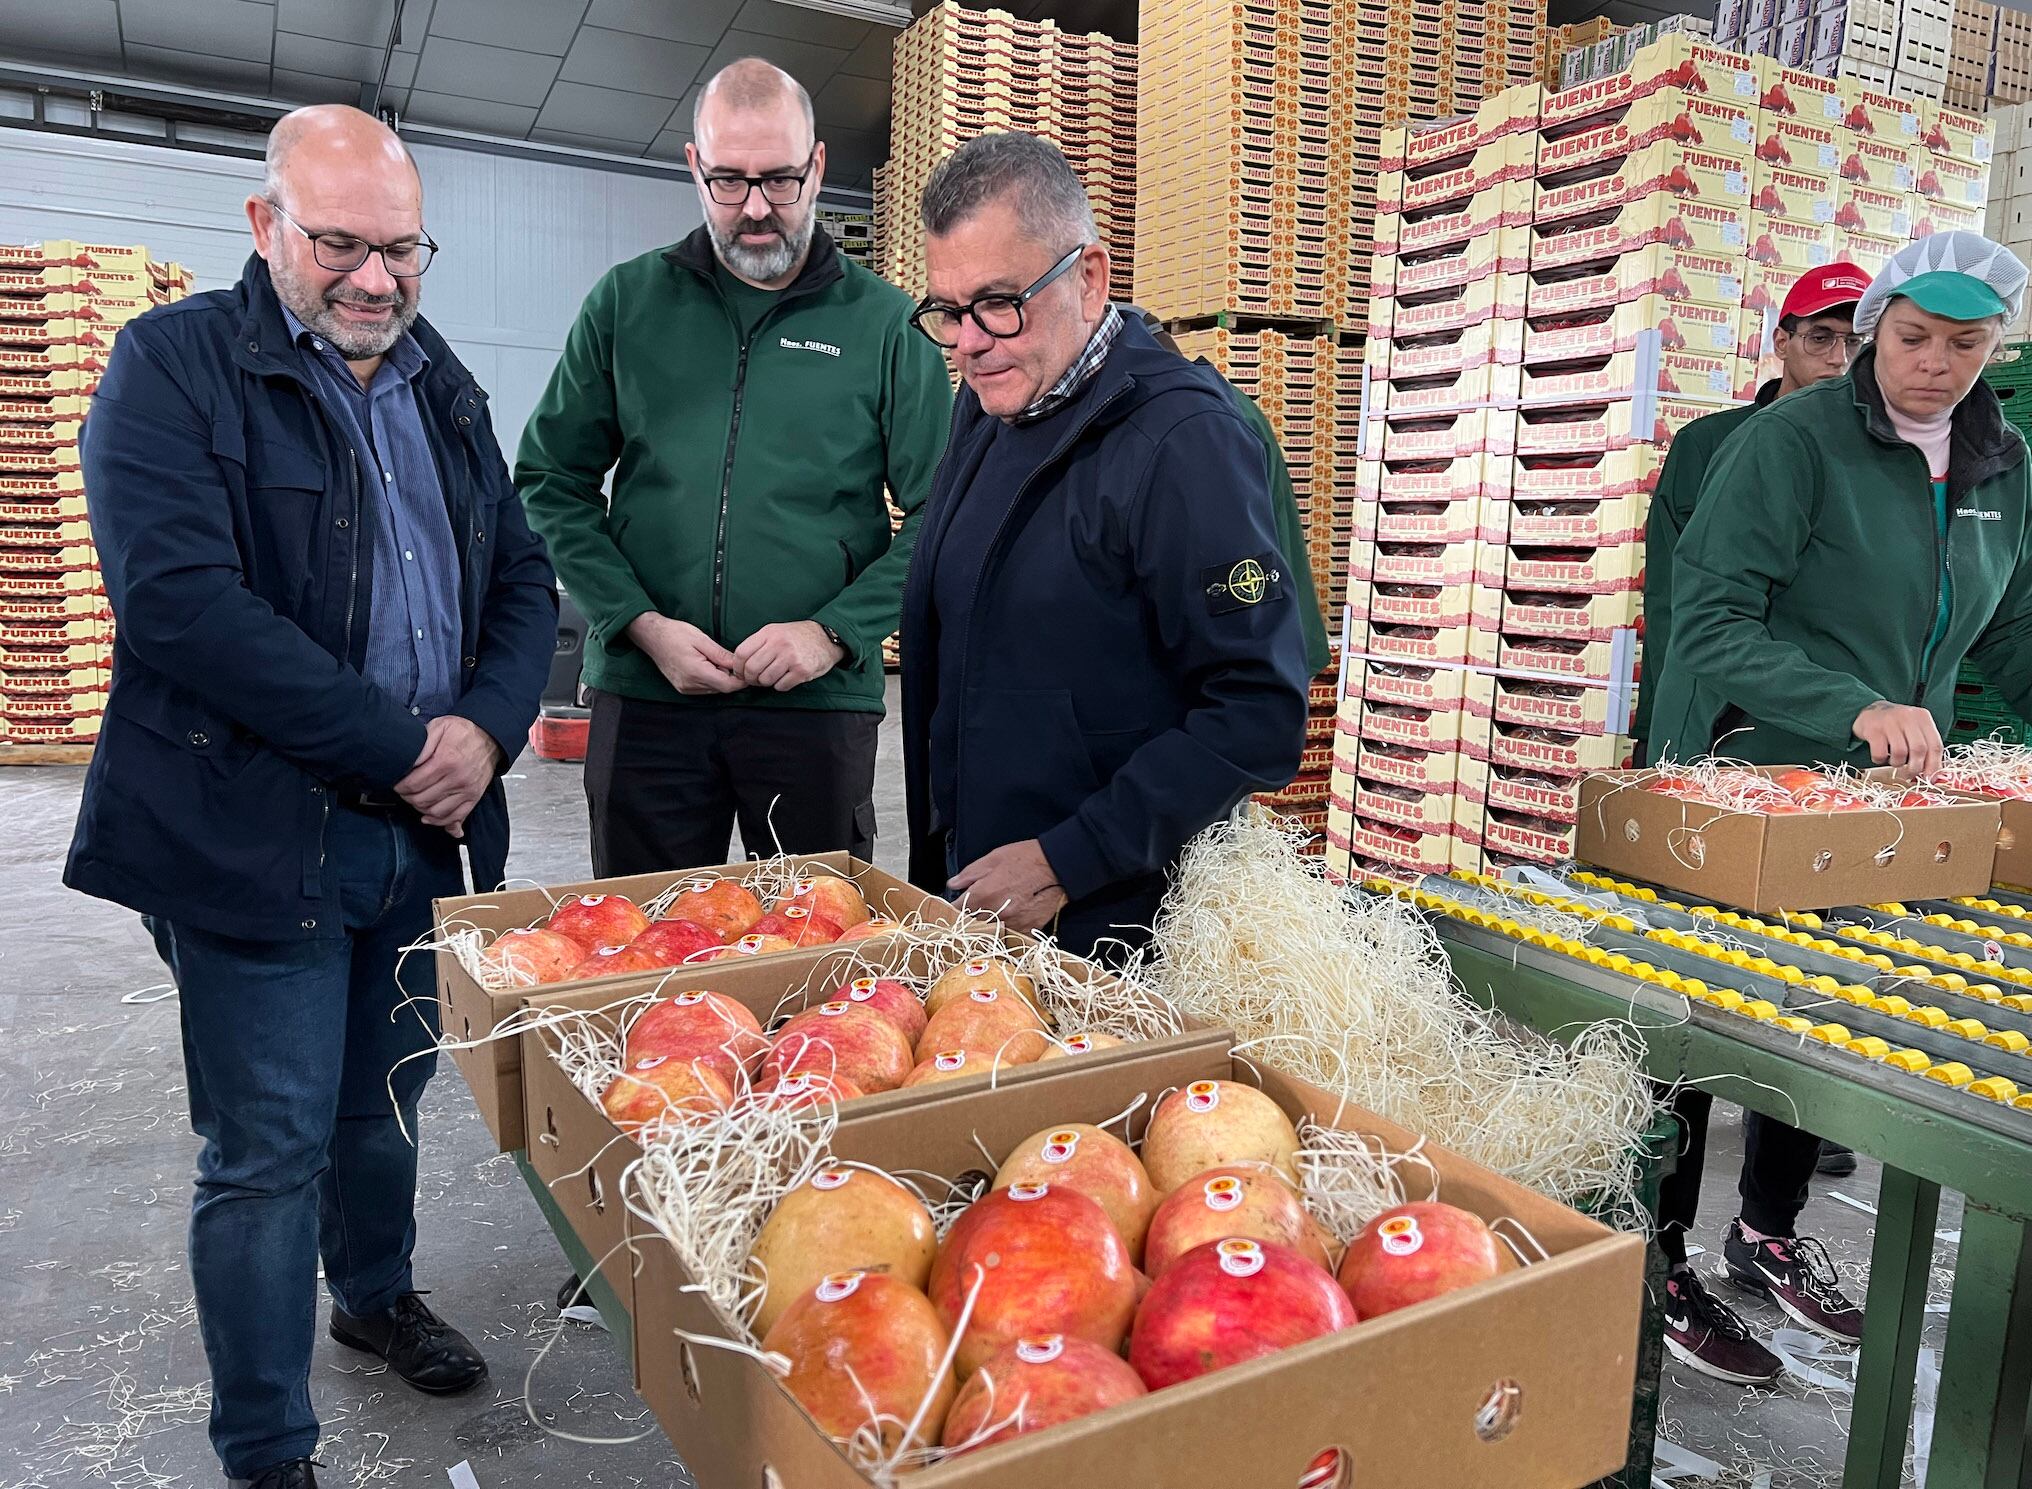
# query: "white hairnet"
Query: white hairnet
{"points": [[1961, 253]]}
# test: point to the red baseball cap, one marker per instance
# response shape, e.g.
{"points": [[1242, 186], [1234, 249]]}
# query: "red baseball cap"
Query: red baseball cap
{"points": [[1827, 288]]}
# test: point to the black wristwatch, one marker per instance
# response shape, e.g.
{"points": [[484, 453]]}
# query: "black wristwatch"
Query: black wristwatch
{"points": [[834, 637]]}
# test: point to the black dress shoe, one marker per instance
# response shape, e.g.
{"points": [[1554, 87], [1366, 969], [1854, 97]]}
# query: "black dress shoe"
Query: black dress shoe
{"points": [[1836, 1161], [298, 1473], [418, 1345]]}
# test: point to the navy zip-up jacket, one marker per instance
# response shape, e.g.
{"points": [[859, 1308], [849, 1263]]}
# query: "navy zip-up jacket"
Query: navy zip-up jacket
{"points": [[1132, 662], [233, 530]]}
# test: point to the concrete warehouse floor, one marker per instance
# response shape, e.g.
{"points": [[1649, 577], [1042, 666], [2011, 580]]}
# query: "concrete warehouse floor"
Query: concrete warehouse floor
{"points": [[102, 1378]]}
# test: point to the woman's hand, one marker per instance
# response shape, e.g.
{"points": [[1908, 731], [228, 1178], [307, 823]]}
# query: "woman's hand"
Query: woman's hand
{"points": [[1901, 736]]}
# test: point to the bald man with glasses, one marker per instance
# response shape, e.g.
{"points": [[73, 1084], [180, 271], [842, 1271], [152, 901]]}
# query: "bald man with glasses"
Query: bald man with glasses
{"points": [[751, 392]]}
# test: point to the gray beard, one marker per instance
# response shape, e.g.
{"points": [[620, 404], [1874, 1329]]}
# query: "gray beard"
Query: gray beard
{"points": [[354, 343], [765, 265]]}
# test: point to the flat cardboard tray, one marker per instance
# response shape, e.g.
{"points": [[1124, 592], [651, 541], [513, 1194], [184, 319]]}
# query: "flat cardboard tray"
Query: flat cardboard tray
{"points": [[1505, 1390], [467, 1011]]}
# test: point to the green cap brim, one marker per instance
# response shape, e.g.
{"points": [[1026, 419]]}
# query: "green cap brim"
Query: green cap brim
{"points": [[1957, 296]]}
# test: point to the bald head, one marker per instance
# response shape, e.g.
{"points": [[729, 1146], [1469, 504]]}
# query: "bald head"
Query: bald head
{"points": [[334, 138], [750, 86]]}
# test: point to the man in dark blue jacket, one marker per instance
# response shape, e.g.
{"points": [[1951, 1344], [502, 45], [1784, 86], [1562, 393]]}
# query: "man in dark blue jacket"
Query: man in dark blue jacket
{"points": [[1101, 647], [332, 630]]}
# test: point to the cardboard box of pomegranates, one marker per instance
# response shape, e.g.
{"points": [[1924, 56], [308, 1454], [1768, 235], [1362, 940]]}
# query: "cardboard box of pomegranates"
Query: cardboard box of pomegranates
{"points": [[493, 949], [1775, 838], [865, 1030], [1141, 1289]]}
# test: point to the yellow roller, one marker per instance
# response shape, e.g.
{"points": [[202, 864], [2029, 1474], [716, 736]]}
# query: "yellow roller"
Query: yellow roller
{"points": [[1870, 1047], [1912, 1061], [1965, 1028], [1994, 1088], [1892, 1004], [2011, 1040], [1791, 1023], [1953, 1073], [1928, 1015]]}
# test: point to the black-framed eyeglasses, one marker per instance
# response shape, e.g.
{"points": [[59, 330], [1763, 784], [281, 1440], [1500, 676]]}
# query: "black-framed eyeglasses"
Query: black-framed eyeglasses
{"points": [[1001, 316], [1820, 341], [342, 253], [779, 189]]}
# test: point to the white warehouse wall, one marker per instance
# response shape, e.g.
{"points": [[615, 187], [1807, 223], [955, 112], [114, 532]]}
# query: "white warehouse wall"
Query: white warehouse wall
{"points": [[522, 240]]}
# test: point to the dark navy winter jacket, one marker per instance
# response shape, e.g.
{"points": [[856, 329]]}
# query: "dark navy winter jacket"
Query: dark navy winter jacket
{"points": [[1133, 662], [233, 527]]}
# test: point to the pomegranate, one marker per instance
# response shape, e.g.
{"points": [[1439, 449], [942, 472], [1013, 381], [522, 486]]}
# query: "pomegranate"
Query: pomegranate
{"points": [[982, 972], [1047, 1260], [1415, 1252], [675, 942], [1230, 1301], [725, 907], [656, 1088], [704, 1026], [596, 920], [838, 900], [613, 961], [809, 1088], [892, 1000], [988, 1022], [1098, 1165], [840, 1220], [840, 1038], [1247, 1201], [874, 926], [1079, 1044], [865, 1351], [1210, 1124], [749, 945], [800, 925], [532, 957], [1037, 1382], [949, 1065]]}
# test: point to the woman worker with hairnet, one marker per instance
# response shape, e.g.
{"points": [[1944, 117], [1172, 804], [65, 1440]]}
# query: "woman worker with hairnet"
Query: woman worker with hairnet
{"points": [[1853, 544]]}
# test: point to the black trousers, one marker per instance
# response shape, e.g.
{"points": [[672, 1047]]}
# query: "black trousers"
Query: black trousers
{"points": [[665, 782], [1778, 1162]]}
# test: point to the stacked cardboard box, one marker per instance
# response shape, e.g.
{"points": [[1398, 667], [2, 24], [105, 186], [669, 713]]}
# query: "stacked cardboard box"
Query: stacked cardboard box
{"points": [[960, 72], [853, 231], [1904, 47], [1565, 282], [2011, 62], [2009, 217], [61, 305], [1971, 55]]}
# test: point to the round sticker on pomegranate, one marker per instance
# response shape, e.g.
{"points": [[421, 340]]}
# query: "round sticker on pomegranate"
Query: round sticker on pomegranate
{"points": [[833, 1009], [1241, 1258], [803, 889], [795, 1084], [837, 1286], [698, 885], [1042, 1350], [649, 1062], [830, 1178], [1060, 1146], [610, 951], [860, 987], [1202, 1096], [1025, 1192], [748, 945], [686, 1000], [1401, 1235], [590, 900], [984, 995], [1223, 1194], [976, 968], [1079, 1044], [796, 912], [949, 1060]]}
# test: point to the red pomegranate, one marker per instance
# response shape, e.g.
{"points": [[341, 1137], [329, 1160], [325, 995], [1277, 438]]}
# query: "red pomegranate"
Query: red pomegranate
{"points": [[675, 941], [892, 1000], [1209, 1124], [1039, 1381], [658, 1089], [1097, 1164], [1230, 1301], [949, 1065], [837, 899], [704, 1026], [987, 1022], [840, 1038], [529, 958], [800, 925], [1414, 1252], [723, 906], [749, 945], [808, 1088], [1251, 1202], [870, 928], [596, 920], [839, 1220], [1047, 1260], [614, 961], [865, 1351]]}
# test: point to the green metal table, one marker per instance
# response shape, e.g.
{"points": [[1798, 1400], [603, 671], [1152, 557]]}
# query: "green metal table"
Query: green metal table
{"points": [[1926, 1141]]}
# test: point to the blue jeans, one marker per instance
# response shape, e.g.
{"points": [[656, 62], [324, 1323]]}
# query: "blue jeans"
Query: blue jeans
{"points": [[288, 1049]]}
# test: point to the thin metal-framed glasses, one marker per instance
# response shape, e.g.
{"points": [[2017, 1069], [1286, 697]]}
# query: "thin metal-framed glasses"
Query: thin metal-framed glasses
{"points": [[1820, 341], [342, 253], [778, 190], [1001, 316]]}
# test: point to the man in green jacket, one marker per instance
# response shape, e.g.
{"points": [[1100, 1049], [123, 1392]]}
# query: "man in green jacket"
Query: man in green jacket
{"points": [[1814, 340], [752, 393]]}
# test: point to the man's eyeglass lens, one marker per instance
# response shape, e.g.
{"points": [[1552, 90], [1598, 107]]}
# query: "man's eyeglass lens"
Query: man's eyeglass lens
{"points": [[732, 191], [342, 255], [996, 316], [1819, 340]]}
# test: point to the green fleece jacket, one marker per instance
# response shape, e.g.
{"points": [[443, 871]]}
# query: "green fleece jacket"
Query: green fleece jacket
{"points": [[1808, 583], [1693, 451], [747, 473]]}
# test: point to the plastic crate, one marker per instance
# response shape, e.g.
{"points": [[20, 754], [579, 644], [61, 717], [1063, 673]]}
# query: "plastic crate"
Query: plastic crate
{"points": [[1980, 711]]}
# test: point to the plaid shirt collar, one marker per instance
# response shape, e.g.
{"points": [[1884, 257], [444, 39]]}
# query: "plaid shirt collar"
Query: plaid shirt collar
{"points": [[1082, 371]]}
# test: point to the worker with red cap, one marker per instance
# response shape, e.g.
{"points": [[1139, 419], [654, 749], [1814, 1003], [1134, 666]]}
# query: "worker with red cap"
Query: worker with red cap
{"points": [[1814, 340]]}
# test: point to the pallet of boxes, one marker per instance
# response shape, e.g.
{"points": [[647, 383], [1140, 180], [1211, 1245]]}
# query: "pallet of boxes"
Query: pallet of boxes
{"points": [[61, 305]]}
